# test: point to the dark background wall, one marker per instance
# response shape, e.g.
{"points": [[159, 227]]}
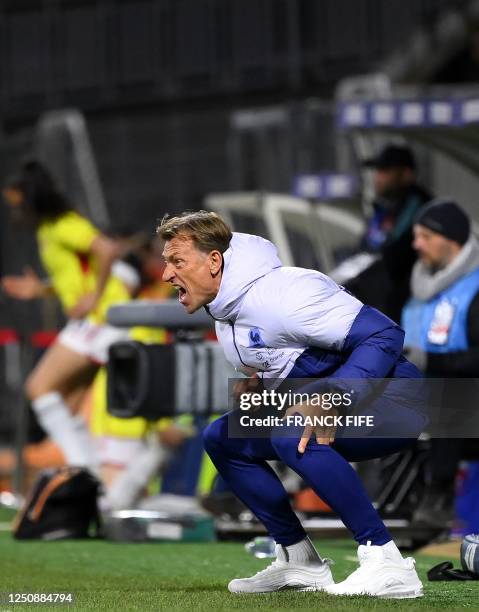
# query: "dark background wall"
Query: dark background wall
{"points": [[117, 53]]}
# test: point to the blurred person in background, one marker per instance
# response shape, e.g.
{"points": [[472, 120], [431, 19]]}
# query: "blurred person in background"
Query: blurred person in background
{"points": [[131, 452], [441, 321], [78, 259], [389, 231]]}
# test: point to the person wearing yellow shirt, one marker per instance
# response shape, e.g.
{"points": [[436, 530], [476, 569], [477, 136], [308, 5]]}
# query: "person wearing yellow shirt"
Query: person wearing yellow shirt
{"points": [[78, 259]]}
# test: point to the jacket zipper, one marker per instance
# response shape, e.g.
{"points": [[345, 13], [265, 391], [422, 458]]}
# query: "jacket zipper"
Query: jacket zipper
{"points": [[234, 343], [232, 331]]}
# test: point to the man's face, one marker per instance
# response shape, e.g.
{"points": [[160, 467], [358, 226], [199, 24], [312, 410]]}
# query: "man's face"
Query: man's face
{"points": [[388, 180], [196, 275], [433, 249], [12, 197]]}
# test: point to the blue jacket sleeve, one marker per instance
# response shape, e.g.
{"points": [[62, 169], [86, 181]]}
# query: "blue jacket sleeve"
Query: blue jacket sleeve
{"points": [[371, 350], [372, 347]]}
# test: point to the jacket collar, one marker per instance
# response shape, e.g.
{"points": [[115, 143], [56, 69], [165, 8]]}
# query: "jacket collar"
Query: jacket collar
{"points": [[247, 259]]}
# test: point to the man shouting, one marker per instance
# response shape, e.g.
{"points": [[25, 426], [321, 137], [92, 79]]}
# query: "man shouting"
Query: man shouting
{"points": [[309, 327]]}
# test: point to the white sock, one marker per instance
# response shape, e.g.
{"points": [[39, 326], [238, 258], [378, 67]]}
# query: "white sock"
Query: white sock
{"points": [[391, 552], [125, 490], [302, 553], [86, 442], [69, 432]]}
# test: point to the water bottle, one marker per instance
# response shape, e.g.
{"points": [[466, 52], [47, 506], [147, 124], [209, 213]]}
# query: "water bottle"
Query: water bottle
{"points": [[261, 547]]}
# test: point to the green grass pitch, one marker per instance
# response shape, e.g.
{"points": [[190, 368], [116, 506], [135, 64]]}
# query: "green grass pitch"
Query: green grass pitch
{"points": [[179, 576]]}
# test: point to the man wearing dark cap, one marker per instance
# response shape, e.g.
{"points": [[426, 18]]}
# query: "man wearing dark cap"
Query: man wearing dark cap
{"points": [[389, 230], [441, 321]]}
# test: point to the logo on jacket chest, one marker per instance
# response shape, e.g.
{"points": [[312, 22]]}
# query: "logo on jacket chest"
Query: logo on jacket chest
{"points": [[440, 327], [255, 339], [264, 356]]}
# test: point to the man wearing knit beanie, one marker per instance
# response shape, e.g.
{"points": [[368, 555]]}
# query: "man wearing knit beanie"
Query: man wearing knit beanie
{"points": [[446, 218], [441, 322]]}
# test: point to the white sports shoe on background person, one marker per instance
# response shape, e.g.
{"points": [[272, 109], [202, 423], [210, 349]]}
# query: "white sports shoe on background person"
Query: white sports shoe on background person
{"points": [[285, 574], [383, 573]]}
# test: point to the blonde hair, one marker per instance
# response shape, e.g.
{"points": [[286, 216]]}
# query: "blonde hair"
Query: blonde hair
{"points": [[207, 230]]}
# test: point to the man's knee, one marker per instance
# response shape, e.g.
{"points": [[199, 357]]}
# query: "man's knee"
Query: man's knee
{"points": [[33, 387], [215, 435]]}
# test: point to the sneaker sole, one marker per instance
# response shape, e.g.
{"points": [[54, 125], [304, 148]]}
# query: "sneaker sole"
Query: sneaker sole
{"points": [[288, 587], [404, 595], [300, 589], [411, 594], [296, 583]]}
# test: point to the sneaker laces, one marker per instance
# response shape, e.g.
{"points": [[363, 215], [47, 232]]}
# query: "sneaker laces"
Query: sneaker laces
{"points": [[358, 574], [277, 563], [368, 557], [282, 563]]}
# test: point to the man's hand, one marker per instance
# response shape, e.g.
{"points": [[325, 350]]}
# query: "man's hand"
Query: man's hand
{"points": [[246, 385], [324, 434], [29, 286]]}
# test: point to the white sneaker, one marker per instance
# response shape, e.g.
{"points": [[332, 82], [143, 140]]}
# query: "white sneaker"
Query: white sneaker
{"points": [[282, 574], [378, 576]]}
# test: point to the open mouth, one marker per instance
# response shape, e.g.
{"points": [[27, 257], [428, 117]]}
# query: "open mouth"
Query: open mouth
{"points": [[181, 294]]}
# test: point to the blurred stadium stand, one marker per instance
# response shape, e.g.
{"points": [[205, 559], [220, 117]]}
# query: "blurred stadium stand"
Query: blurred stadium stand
{"points": [[136, 67], [99, 55]]}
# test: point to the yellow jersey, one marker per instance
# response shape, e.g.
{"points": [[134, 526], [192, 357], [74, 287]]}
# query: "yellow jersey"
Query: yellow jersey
{"points": [[64, 245]]}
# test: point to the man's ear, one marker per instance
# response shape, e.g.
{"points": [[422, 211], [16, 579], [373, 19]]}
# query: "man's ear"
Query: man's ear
{"points": [[216, 262]]}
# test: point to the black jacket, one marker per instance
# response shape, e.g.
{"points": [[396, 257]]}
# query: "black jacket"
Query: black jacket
{"points": [[385, 285]]}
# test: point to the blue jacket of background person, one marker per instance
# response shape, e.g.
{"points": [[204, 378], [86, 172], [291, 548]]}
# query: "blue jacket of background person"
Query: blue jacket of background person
{"points": [[439, 325]]}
